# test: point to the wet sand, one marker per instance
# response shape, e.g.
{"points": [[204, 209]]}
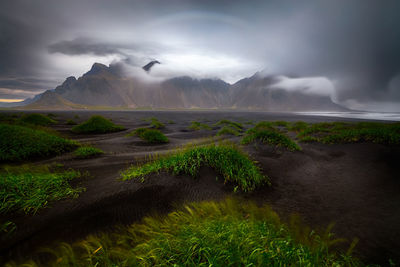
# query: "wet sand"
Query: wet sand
{"points": [[355, 186]]}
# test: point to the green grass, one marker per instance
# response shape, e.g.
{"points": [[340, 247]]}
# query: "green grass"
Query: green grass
{"points": [[228, 130], [195, 126], [155, 123], [51, 115], [234, 165], [171, 122], [85, 152], [28, 188], [36, 119], [297, 126], [8, 118], [21, 143], [267, 134], [227, 233], [71, 122], [381, 136], [97, 125], [238, 126], [339, 132], [152, 136]]}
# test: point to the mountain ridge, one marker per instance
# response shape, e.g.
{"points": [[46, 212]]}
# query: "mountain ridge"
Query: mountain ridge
{"points": [[106, 86]]}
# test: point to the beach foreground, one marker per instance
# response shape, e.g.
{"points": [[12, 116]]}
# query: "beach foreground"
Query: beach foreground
{"points": [[355, 186]]}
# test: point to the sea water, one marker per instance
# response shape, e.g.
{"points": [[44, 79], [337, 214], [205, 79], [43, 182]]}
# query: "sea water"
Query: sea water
{"points": [[387, 116]]}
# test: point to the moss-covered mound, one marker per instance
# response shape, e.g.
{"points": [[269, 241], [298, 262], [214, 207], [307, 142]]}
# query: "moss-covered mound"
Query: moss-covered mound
{"points": [[265, 132], [37, 119], [97, 125], [85, 152], [233, 164], [22, 143], [152, 136]]}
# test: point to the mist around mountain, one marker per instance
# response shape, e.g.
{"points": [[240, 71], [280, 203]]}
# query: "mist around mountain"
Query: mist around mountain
{"points": [[108, 86]]}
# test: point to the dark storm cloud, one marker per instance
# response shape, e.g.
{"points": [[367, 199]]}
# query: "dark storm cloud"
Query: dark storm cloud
{"points": [[354, 43]]}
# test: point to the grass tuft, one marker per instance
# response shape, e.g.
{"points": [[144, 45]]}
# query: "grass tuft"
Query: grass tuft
{"points": [[155, 123], [71, 122], [36, 119], [226, 233], [228, 130], [28, 188], [297, 126], [85, 152], [97, 125], [233, 164], [195, 126], [266, 133], [339, 132], [238, 126], [152, 136], [22, 143]]}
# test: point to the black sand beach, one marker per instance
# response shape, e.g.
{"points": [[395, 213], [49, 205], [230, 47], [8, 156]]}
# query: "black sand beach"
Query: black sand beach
{"points": [[354, 186]]}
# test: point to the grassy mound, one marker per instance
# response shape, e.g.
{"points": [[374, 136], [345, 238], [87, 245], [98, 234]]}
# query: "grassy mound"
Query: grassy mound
{"points": [[71, 122], [228, 233], [97, 125], [22, 143], [266, 133], [152, 136], [297, 126], [36, 119], [85, 152], [155, 123], [29, 188], [228, 130], [195, 126], [339, 132], [234, 165], [236, 125]]}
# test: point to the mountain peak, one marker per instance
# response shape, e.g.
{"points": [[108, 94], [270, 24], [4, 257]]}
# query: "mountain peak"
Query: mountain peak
{"points": [[149, 65], [69, 80], [97, 68]]}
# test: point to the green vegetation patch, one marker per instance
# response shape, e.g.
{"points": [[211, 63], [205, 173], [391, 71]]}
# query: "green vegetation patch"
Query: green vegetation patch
{"points": [[97, 125], [238, 126], [228, 130], [233, 164], [195, 126], [36, 119], [297, 126], [28, 188], [152, 136], [22, 143], [339, 132], [85, 152], [71, 122], [155, 123], [266, 133], [227, 233]]}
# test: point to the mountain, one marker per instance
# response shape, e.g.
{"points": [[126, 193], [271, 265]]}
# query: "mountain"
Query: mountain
{"points": [[107, 86], [50, 100]]}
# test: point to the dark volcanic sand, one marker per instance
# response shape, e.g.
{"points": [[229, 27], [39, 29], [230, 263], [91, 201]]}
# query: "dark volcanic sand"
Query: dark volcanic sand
{"points": [[356, 186]]}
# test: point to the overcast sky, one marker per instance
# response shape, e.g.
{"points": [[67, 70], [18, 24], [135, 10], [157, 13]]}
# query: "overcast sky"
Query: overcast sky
{"points": [[355, 44]]}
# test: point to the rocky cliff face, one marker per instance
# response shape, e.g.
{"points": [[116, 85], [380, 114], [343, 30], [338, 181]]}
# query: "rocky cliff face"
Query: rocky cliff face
{"points": [[105, 86]]}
